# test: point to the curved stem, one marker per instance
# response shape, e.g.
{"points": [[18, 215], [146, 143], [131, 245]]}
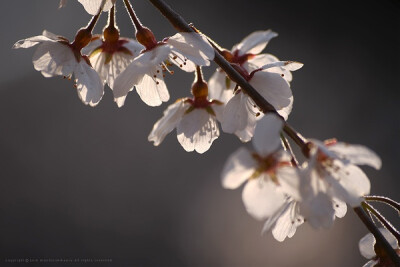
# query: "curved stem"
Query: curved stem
{"points": [[380, 239], [395, 205], [132, 14]]}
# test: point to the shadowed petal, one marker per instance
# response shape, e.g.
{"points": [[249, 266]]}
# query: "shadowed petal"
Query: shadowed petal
{"points": [[238, 168], [261, 198]]}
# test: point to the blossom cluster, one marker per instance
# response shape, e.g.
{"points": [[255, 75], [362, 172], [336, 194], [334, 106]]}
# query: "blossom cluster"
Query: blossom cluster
{"points": [[277, 188]]}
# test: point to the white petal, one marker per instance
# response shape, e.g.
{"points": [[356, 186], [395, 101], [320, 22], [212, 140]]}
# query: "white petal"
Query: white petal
{"points": [[287, 223], [351, 185], [275, 90], [238, 117], [217, 87], [32, 41], [357, 154], [238, 168], [145, 64], [340, 207], [93, 6], [152, 91], [255, 42], [318, 211], [288, 65], [197, 130], [193, 46], [217, 90], [260, 60], [267, 134], [262, 198], [172, 116], [89, 85], [289, 180], [53, 58]]}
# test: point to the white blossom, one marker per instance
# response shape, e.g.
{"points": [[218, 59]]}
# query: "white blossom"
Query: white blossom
{"points": [[110, 59], [54, 56], [145, 72], [196, 126], [268, 174], [240, 113], [330, 179]]}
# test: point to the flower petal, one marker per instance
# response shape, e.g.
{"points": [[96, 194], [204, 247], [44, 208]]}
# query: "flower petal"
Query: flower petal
{"points": [[262, 198], [351, 184], [275, 90], [356, 154], [340, 207], [134, 74], [237, 118], [287, 223], [260, 60], [93, 6], [267, 134], [197, 130], [89, 85], [152, 91], [172, 116], [192, 46], [255, 42], [238, 168], [54, 58]]}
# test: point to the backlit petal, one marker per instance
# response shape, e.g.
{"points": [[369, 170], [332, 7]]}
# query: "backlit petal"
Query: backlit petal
{"points": [[356, 154], [53, 58], [197, 130], [172, 116], [89, 85], [255, 42]]}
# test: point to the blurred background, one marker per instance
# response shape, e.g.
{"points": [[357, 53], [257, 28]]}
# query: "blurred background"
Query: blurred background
{"points": [[81, 182]]}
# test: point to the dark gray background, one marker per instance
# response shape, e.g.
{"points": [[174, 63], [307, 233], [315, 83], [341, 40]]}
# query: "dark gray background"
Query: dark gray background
{"points": [[81, 182]]}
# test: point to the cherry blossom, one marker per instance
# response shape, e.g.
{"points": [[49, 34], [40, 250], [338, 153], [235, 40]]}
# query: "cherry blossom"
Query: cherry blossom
{"points": [[194, 119], [366, 246], [145, 72], [240, 113], [110, 54], [55, 55], [330, 178], [268, 174]]}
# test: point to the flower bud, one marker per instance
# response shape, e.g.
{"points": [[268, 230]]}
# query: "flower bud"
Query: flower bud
{"points": [[146, 38]]}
